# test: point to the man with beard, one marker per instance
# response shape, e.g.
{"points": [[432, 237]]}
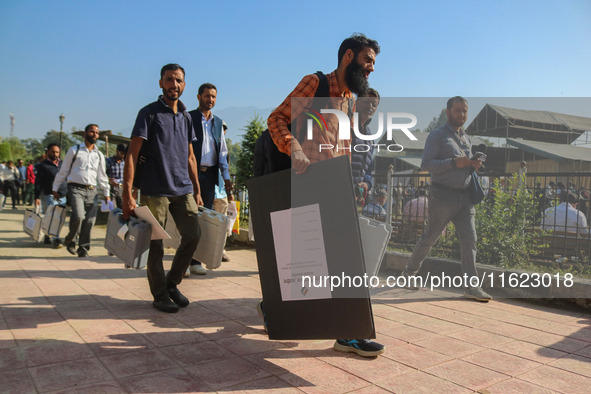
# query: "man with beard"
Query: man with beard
{"points": [[83, 170], [356, 59], [447, 156], [162, 135], [46, 172], [211, 153]]}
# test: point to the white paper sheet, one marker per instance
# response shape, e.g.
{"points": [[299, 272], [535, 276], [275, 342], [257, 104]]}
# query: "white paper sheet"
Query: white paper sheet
{"points": [[157, 230], [299, 250]]}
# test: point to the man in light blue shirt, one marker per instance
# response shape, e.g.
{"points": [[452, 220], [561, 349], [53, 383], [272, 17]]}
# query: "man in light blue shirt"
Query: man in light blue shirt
{"points": [[447, 157]]}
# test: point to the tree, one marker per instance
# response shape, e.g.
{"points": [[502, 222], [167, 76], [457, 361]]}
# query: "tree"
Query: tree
{"points": [[68, 140], [233, 153], [11, 148], [437, 121], [245, 163]]}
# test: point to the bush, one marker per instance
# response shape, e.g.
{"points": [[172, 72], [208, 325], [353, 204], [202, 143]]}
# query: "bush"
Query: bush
{"points": [[502, 221]]}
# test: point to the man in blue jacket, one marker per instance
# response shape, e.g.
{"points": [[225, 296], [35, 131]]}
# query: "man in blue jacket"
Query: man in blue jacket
{"points": [[211, 153]]}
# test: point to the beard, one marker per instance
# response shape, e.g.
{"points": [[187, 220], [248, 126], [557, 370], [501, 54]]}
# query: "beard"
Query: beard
{"points": [[355, 78], [90, 139], [170, 95]]}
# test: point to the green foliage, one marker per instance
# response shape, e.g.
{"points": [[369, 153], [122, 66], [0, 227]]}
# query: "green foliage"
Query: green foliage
{"points": [[245, 163], [233, 153], [68, 140], [502, 226], [437, 121], [11, 148]]}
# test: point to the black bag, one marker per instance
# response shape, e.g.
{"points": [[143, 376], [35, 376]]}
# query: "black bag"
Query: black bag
{"points": [[476, 190]]}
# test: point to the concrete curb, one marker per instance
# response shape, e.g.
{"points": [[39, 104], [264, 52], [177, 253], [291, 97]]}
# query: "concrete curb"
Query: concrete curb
{"points": [[522, 284]]}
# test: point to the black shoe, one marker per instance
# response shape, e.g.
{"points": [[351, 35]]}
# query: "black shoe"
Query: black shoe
{"points": [[165, 305], [178, 298], [82, 253], [363, 347], [71, 247], [47, 240]]}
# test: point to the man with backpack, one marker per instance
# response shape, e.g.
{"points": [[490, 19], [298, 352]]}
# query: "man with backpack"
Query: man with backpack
{"points": [[161, 139], [83, 170], [356, 59]]}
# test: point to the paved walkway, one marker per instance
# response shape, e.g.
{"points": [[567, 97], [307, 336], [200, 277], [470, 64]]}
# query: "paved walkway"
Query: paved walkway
{"points": [[87, 325]]}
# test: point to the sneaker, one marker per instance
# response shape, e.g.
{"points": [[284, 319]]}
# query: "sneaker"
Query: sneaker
{"points": [[71, 247], [197, 269], [178, 298], [476, 293], [363, 347], [57, 243], [165, 305], [225, 257], [187, 273], [82, 253], [262, 314]]}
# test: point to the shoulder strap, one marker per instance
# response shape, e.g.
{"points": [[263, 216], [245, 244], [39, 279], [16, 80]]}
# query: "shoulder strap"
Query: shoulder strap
{"points": [[323, 89], [73, 160]]}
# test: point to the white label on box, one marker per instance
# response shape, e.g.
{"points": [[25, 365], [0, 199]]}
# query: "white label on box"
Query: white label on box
{"points": [[31, 223], [299, 250]]}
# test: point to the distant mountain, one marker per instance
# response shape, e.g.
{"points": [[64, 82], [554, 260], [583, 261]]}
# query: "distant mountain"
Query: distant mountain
{"points": [[238, 117]]}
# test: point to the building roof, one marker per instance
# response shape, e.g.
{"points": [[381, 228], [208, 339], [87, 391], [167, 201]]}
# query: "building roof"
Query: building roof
{"points": [[557, 152], [533, 125]]}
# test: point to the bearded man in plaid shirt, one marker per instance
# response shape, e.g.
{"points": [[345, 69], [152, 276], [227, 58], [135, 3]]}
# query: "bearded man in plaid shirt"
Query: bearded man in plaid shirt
{"points": [[356, 59]]}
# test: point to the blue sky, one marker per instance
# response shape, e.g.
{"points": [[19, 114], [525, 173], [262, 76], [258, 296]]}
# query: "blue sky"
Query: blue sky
{"points": [[99, 61]]}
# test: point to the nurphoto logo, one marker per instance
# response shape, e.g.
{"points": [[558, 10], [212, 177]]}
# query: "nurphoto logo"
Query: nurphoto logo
{"points": [[393, 123]]}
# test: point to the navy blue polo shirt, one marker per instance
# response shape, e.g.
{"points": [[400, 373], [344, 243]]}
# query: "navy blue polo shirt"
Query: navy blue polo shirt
{"points": [[167, 135]]}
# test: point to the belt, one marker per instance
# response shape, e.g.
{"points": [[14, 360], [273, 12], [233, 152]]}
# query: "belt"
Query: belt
{"points": [[205, 169], [81, 186]]}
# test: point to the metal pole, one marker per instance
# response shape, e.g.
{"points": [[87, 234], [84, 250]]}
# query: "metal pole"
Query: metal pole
{"points": [[390, 193], [62, 118]]}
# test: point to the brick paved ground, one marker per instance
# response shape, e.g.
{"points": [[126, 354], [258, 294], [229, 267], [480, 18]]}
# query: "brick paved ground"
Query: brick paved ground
{"points": [[87, 325]]}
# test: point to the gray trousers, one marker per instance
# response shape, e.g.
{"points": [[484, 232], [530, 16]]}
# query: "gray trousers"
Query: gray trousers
{"points": [[184, 212], [448, 205], [84, 210]]}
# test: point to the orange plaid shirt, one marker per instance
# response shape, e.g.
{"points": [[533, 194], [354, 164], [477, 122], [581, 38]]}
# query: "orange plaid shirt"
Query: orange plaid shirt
{"points": [[292, 111]]}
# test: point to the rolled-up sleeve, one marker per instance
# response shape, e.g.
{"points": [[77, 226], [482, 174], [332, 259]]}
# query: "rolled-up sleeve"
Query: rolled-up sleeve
{"points": [[290, 109]]}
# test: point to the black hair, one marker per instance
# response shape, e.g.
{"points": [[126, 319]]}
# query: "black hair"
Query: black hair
{"points": [[121, 148], [371, 92], [88, 126], [452, 100], [51, 145], [171, 67], [356, 43], [206, 85]]}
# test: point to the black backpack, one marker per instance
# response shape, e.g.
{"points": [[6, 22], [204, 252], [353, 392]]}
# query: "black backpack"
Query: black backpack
{"points": [[267, 157]]}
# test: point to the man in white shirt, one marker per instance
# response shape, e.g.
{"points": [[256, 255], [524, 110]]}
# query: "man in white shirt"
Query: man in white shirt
{"points": [[566, 216], [210, 151], [83, 170]]}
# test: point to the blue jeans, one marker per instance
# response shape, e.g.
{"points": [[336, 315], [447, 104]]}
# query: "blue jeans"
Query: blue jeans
{"points": [[47, 200], [448, 205]]}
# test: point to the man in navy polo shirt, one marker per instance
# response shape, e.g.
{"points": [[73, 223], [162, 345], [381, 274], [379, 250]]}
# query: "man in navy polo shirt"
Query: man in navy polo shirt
{"points": [[168, 182]]}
